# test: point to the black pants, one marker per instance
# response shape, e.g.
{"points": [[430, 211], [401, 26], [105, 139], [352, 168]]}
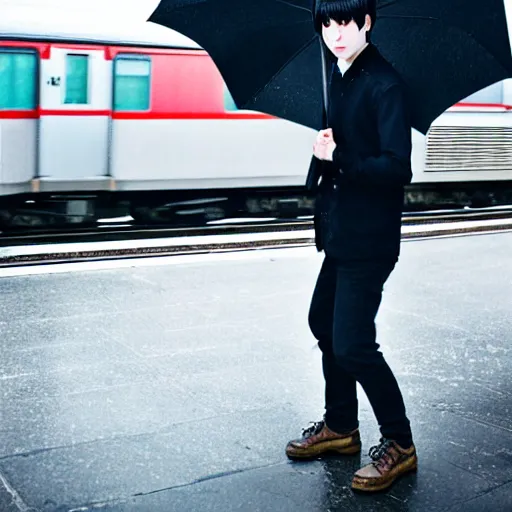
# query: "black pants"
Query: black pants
{"points": [[342, 318]]}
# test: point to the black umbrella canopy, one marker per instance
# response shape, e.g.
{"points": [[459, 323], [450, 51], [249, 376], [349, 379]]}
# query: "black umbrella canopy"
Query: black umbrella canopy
{"points": [[444, 49], [270, 56], [485, 22]]}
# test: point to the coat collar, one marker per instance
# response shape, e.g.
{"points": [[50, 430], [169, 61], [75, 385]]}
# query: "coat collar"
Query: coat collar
{"points": [[367, 55]]}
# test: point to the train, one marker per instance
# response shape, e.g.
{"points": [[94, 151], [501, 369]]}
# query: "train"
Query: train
{"points": [[136, 121]]}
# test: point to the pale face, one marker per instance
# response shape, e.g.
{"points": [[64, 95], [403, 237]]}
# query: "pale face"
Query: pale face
{"points": [[345, 40]]}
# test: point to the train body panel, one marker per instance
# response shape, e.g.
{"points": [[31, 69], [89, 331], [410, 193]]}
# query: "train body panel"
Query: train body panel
{"points": [[18, 154], [212, 153], [73, 147]]}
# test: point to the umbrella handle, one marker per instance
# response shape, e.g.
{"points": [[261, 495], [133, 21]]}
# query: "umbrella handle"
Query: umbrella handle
{"points": [[324, 82], [324, 65], [316, 166]]}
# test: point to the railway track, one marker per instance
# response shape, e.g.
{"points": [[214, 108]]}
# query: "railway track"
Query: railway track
{"points": [[124, 230], [122, 241]]}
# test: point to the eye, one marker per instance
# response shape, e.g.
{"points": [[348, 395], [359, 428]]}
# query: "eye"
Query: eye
{"points": [[326, 23]]}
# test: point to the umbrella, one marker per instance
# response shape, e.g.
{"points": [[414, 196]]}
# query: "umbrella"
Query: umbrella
{"points": [[271, 58]]}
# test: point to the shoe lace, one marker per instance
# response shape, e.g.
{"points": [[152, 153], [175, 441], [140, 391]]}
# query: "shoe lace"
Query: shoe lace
{"points": [[380, 454], [315, 428]]}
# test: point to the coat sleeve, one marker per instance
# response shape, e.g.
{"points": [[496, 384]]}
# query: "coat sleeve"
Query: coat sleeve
{"points": [[393, 166]]}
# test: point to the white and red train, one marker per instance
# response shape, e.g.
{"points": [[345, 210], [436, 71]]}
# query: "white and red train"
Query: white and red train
{"points": [[140, 122]]}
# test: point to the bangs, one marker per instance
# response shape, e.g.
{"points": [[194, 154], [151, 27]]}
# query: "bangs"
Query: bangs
{"points": [[343, 11]]}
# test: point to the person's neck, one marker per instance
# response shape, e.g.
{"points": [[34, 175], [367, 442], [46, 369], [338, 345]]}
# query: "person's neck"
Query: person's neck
{"points": [[354, 57]]}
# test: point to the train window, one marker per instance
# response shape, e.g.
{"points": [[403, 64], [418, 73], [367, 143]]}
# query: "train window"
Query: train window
{"points": [[229, 102], [18, 76], [132, 83], [77, 79]]}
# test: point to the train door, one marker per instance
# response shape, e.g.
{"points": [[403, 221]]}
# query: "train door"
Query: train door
{"points": [[18, 118], [75, 113]]}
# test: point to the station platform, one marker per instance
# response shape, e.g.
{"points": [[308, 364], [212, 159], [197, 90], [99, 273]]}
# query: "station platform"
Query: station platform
{"points": [[174, 384]]}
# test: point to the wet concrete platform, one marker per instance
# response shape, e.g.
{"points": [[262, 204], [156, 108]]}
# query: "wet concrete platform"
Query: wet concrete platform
{"points": [[176, 388]]}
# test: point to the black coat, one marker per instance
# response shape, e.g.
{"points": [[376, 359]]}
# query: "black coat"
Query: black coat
{"points": [[360, 198]]}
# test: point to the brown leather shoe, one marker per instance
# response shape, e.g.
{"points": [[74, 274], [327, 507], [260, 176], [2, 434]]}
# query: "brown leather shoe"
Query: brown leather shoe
{"points": [[320, 439], [389, 462]]}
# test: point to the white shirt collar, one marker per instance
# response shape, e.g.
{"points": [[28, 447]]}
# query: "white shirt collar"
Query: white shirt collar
{"points": [[343, 65]]}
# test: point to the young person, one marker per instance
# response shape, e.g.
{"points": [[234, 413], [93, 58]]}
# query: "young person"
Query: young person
{"points": [[367, 151]]}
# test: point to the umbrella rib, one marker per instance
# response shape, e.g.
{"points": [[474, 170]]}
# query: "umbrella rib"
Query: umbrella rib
{"points": [[383, 5], [304, 47], [406, 17], [293, 5], [286, 2], [486, 50]]}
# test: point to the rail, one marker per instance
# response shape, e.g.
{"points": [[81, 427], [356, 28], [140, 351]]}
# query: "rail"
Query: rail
{"points": [[121, 242]]}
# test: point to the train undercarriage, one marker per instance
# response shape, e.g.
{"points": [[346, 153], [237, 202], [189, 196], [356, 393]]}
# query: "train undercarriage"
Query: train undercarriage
{"points": [[199, 207]]}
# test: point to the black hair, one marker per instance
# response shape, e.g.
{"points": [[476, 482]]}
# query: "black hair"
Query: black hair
{"points": [[344, 11]]}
